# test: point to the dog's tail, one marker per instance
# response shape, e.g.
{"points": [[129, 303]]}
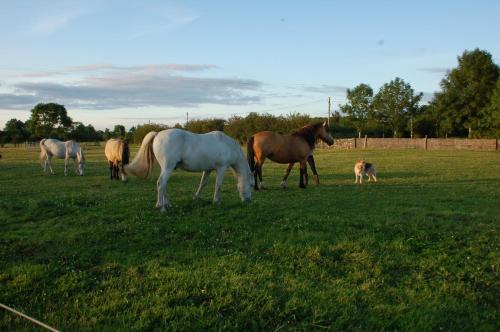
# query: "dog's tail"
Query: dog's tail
{"points": [[251, 154], [142, 165]]}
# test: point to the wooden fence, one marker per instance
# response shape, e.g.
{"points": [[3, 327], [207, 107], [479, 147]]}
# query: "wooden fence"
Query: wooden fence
{"points": [[414, 143]]}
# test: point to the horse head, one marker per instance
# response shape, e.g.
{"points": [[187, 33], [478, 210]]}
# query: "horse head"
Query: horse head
{"points": [[323, 133], [245, 178]]}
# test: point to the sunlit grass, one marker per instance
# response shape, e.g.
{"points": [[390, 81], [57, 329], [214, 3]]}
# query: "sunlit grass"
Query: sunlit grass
{"points": [[417, 250]]}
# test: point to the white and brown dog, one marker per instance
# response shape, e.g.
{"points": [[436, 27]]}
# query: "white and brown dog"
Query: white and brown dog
{"points": [[363, 168]]}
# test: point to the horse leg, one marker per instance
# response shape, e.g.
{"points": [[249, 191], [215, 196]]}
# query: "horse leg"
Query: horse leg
{"points": [[260, 158], [49, 161], [260, 175], [203, 183], [256, 176], [116, 171], [218, 183], [45, 163], [110, 170], [310, 160], [76, 167], [306, 176], [66, 165], [163, 203], [283, 183], [302, 176]]}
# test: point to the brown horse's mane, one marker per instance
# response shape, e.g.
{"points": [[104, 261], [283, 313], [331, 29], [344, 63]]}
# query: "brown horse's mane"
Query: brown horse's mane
{"points": [[308, 133]]}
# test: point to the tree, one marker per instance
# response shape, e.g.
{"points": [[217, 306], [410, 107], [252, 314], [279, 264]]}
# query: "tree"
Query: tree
{"points": [[425, 123], [119, 131], [83, 133], [205, 125], [49, 120], [395, 104], [106, 135], [490, 115], [143, 130], [466, 90], [130, 134], [16, 131], [359, 106]]}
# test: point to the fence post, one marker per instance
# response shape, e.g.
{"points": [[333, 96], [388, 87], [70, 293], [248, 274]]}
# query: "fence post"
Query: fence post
{"points": [[366, 139], [496, 144], [355, 143], [425, 142]]}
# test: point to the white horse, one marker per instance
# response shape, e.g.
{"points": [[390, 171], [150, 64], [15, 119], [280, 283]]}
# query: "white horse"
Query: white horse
{"points": [[176, 148], [50, 147]]}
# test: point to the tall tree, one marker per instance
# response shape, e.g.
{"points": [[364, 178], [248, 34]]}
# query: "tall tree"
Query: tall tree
{"points": [[359, 106], [395, 104], [466, 90], [49, 120]]}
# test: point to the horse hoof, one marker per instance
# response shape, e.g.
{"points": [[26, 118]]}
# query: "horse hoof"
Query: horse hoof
{"points": [[283, 185]]}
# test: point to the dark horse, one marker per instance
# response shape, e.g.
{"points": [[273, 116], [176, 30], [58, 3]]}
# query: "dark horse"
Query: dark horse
{"points": [[286, 149], [117, 153]]}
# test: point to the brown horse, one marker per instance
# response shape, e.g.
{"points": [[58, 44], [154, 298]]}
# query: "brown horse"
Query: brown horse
{"points": [[117, 153], [286, 149]]}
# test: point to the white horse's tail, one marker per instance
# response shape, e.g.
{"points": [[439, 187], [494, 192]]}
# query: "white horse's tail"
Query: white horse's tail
{"points": [[142, 165], [43, 151]]}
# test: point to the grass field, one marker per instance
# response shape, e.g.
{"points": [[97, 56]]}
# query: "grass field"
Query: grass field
{"points": [[419, 250]]}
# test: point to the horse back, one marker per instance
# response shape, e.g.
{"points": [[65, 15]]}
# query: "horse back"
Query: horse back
{"points": [[280, 148], [53, 147], [113, 150]]}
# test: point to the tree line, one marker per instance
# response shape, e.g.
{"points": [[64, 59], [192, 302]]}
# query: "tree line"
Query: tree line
{"points": [[468, 105]]}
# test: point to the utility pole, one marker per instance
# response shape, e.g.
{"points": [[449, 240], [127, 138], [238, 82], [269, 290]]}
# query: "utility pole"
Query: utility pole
{"points": [[329, 105], [411, 127], [187, 117]]}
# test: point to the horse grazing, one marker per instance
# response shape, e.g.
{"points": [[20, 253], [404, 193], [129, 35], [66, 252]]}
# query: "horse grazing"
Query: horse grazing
{"points": [[117, 153], [176, 148], [50, 147], [286, 149]]}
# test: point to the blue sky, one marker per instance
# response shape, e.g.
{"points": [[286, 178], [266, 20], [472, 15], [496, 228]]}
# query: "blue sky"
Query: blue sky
{"points": [[130, 62]]}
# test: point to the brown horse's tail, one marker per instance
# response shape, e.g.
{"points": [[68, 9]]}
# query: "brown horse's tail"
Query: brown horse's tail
{"points": [[142, 165], [250, 154]]}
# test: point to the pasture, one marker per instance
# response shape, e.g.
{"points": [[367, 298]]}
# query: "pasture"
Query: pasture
{"points": [[419, 250]]}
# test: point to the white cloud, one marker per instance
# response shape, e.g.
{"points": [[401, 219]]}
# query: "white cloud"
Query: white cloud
{"points": [[107, 67], [326, 89], [108, 86]]}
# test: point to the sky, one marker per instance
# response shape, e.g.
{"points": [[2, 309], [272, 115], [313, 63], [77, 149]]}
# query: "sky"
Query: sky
{"points": [[134, 62]]}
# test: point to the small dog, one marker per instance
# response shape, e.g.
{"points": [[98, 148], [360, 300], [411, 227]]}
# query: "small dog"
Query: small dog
{"points": [[363, 168]]}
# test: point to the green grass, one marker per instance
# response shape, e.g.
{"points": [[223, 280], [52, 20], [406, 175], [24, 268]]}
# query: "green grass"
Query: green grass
{"points": [[419, 250]]}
